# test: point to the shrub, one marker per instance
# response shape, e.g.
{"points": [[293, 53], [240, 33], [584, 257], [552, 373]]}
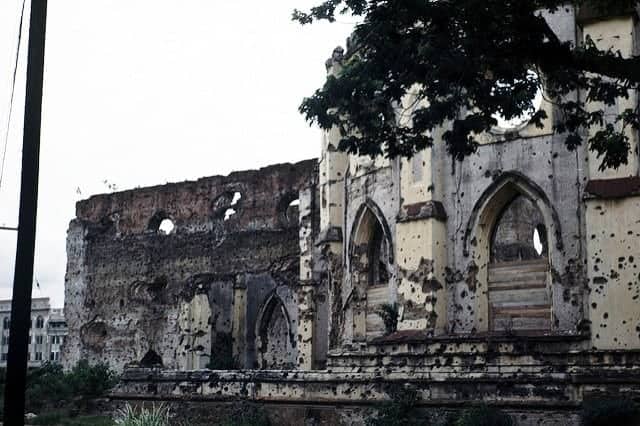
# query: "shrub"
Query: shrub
{"points": [[604, 412], [155, 416], [51, 387], [389, 314], [91, 381], [400, 411], [47, 386], [483, 415]]}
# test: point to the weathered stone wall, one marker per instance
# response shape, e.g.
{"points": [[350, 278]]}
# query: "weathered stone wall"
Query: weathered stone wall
{"points": [[441, 250], [538, 381], [450, 228], [132, 290]]}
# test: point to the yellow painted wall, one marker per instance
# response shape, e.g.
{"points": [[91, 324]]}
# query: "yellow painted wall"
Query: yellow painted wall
{"points": [[613, 269]]}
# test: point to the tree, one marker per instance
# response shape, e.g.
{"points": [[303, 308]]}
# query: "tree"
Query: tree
{"points": [[471, 60]]}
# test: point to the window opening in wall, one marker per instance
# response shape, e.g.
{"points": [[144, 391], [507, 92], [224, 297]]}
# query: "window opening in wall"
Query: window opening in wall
{"points": [[166, 226], [516, 122], [39, 322], [371, 266], [537, 244], [519, 233], [378, 257], [230, 212], [518, 272], [151, 359], [234, 201], [274, 340], [6, 324], [293, 211]]}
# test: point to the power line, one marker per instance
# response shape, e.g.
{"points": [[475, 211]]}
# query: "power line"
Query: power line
{"points": [[13, 90]]}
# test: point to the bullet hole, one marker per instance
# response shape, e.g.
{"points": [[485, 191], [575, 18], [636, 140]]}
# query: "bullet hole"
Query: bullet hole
{"points": [[594, 305], [605, 315]]}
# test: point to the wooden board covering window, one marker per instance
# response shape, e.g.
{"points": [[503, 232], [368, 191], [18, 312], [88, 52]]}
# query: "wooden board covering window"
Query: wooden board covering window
{"points": [[377, 295], [519, 297]]}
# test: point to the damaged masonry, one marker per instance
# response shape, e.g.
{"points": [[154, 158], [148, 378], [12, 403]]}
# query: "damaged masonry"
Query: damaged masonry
{"points": [[317, 288]]}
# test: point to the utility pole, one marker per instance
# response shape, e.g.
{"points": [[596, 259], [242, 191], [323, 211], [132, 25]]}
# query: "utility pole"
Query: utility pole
{"points": [[14, 394]]}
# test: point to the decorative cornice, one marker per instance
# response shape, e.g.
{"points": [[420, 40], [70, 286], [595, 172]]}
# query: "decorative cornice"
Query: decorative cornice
{"points": [[426, 210], [613, 188]]}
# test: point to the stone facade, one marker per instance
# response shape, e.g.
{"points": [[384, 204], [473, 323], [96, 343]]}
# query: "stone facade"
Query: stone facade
{"points": [[189, 274], [510, 277]]}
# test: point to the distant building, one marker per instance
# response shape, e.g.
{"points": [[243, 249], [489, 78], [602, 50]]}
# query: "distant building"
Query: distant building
{"points": [[47, 332]]}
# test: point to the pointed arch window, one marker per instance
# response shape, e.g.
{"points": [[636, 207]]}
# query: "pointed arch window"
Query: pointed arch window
{"points": [[519, 293]]}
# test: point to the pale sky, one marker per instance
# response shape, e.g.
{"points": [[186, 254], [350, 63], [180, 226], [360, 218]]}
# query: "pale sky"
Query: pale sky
{"points": [[143, 92]]}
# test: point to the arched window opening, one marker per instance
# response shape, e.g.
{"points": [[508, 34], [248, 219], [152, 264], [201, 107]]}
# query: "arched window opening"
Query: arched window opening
{"points": [[519, 295], [533, 85], [275, 348], [518, 227], [151, 359], [371, 262], [39, 322], [378, 257], [292, 212], [161, 223], [6, 323]]}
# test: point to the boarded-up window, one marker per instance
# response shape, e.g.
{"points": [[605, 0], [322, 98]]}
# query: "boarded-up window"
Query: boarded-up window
{"points": [[371, 260], [519, 294], [378, 285]]}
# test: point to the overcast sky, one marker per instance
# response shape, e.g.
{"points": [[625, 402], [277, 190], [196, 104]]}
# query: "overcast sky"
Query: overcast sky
{"points": [[142, 92]]}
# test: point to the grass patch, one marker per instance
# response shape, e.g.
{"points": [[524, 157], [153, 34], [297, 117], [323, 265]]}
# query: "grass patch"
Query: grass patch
{"points": [[62, 418]]}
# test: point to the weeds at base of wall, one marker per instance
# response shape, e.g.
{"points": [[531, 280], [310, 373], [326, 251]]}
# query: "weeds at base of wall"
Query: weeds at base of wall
{"points": [[157, 415], [483, 415], [247, 415], [607, 412], [403, 410]]}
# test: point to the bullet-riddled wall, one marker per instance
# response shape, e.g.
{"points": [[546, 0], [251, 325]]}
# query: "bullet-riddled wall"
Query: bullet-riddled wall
{"points": [[191, 274]]}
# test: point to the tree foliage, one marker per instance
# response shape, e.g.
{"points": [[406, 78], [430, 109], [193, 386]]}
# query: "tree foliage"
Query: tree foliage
{"points": [[471, 60]]}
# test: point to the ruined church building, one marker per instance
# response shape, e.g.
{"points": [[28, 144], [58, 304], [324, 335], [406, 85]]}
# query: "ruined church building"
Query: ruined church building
{"points": [[510, 277]]}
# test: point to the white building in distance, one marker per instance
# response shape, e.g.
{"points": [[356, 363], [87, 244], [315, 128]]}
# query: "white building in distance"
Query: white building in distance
{"points": [[48, 331]]}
